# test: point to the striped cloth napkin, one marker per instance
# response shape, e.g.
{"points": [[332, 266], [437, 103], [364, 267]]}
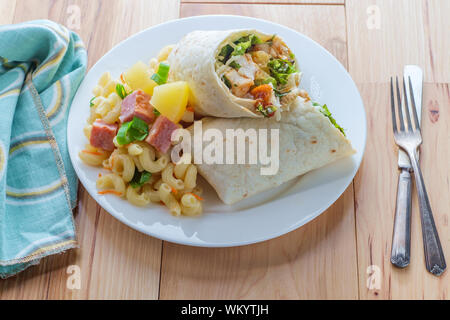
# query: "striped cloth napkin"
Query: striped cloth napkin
{"points": [[41, 66]]}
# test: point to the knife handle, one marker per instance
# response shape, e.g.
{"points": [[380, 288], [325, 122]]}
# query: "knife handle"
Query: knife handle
{"points": [[401, 237]]}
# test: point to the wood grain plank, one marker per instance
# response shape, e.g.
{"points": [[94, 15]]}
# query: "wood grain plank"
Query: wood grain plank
{"points": [[410, 32], [115, 261], [122, 263], [317, 261], [7, 12], [375, 194], [30, 284], [437, 29], [416, 36], [325, 2], [125, 264], [314, 20]]}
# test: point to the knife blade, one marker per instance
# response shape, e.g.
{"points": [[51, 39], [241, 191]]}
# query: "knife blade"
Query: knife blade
{"points": [[401, 237]]}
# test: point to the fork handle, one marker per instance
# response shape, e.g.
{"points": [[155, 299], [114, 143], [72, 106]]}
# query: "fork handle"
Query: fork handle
{"points": [[401, 237], [434, 257]]}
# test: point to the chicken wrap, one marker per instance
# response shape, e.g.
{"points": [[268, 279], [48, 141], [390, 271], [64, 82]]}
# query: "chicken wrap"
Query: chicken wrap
{"points": [[309, 138], [237, 73]]}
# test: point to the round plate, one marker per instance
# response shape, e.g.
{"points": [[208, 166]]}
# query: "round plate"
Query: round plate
{"points": [[266, 215]]}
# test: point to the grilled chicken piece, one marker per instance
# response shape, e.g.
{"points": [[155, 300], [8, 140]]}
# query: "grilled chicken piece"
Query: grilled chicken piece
{"points": [[248, 67], [281, 49], [239, 85]]}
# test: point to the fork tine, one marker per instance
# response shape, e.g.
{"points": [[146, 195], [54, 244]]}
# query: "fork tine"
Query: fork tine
{"points": [[399, 106], [413, 101], [407, 111], [394, 121]]}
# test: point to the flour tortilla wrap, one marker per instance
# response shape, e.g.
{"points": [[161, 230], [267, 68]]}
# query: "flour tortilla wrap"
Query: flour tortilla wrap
{"points": [[307, 141], [193, 60]]}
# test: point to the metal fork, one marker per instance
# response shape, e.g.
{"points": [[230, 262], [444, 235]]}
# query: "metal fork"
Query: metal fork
{"points": [[409, 138]]}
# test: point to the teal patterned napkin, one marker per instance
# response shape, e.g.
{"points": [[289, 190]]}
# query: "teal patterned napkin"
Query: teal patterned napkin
{"points": [[41, 66]]}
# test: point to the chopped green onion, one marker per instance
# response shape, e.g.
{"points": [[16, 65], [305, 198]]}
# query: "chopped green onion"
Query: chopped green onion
{"points": [[122, 135], [160, 77], [156, 112], [134, 130], [324, 110], [140, 178], [121, 92], [91, 102]]}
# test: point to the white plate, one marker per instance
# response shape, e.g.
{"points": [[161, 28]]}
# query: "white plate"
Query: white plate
{"points": [[256, 219]]}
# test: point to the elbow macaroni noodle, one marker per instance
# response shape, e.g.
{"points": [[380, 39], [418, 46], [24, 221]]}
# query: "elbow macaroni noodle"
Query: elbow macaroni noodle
{"points": [[172, 184], [168, 178], [165, 193]]}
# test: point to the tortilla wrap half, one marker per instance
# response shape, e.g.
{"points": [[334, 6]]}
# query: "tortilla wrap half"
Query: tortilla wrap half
{"points": [[307, 141], [193, 60]]}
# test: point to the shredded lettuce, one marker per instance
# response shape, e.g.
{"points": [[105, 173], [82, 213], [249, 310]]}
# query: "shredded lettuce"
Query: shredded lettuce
{"points": [[324, 110], [244, 43], [242, 46], [281, 69], [268, 80]]}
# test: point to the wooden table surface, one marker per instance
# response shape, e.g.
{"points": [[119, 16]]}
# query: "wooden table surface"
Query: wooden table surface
{"points": [[344, 253]]}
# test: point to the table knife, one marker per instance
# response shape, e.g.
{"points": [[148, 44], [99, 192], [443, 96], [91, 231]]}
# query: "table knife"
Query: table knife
{"points": [[401, 238]]}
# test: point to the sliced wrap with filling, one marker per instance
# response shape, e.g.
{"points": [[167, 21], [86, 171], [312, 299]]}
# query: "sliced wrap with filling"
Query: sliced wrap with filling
{"points": [[237, 73]]}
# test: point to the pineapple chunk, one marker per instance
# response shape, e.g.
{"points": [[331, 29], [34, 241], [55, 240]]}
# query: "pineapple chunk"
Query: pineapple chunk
{"points": [[138, 77], [171, 100]]}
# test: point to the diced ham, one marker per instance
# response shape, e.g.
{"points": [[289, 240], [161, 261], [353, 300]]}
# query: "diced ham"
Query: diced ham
{"points": [[102, 135], [161, 133], [137, 104], [239, 85]]}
